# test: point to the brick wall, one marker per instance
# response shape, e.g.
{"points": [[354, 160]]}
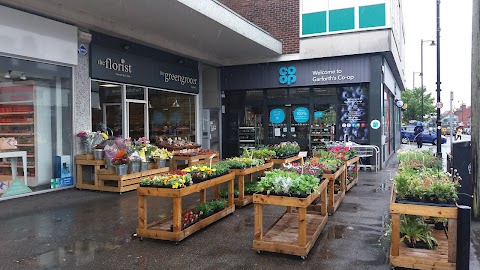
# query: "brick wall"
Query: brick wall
{"points": [[278, 17]]}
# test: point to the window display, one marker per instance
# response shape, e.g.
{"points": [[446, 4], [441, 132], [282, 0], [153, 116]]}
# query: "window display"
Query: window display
{"points": [[36, 110]]}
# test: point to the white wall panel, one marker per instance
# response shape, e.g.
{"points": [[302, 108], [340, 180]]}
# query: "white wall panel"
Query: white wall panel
{"points": [[370, 2], [339, 4], [309, 6], [27, 35]]}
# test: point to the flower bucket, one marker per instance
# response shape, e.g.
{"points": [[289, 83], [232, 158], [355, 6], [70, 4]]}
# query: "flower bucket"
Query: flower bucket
{"points": [[143, 166], [98, 154], [162, 163], [108, 163], [121, 169], [134, 167]]}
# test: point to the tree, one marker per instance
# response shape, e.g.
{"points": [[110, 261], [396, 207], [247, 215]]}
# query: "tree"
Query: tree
{"points": [[413, 99]]}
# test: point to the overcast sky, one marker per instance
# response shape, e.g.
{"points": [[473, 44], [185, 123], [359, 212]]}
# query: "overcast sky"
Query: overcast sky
{"points": [[455, 47]]}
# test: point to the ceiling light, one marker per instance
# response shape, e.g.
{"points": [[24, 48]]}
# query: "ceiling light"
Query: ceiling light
{"points": [[109, 85], [175, 104], [23, 77], [7, 75]]}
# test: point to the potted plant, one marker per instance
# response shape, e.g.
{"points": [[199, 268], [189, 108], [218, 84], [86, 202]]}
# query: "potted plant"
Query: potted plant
{"points": [[161, 155], [134, 164], [120, 164], [415, 233]]}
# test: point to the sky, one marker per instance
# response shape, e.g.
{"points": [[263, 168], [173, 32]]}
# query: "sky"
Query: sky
{"points": [[419, 18]]}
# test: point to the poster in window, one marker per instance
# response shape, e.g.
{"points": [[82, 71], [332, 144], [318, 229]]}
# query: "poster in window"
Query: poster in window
{"points": [[352, 121]]}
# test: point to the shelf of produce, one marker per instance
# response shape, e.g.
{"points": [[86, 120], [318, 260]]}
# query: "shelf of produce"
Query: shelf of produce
{"points": [[295, 232], [352, 162], [192, 160], [244, 199], [443, 256], [281, 161], [109, 181], [16, 113], [161, 229]]}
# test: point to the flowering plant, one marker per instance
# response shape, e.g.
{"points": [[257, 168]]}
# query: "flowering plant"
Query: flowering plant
{"points": [[161, 153], [120, 160], [307, 168], [91, 138], [169, 180], [343, 152], [200, 173], [285, 149]]}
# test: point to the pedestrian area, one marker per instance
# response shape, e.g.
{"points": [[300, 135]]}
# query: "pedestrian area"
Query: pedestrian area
{"points": [[79, 229]]}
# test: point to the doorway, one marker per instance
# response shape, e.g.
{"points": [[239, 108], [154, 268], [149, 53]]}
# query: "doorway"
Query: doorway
{"points": [[290, 122]]}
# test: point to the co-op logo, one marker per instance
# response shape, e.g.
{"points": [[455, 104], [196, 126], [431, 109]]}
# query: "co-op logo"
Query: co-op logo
{"points": [[287, 75]]}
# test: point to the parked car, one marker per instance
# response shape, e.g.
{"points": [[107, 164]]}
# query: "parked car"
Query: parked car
{"points": [[428, 136]]}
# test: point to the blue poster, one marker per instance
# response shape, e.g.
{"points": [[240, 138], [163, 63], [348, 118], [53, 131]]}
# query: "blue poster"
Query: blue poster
{"points": [[301, 115], [317, 114], [277, 116], [175, 118], [158, 118]]}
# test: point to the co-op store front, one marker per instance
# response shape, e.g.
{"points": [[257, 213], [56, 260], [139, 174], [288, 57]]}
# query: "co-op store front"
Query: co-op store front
{"points": [[311, 101]]}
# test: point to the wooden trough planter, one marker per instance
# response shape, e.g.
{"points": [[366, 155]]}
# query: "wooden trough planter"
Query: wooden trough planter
{"points": [[244, 199], [281, 161], [161, 229], [192, 160], [441, 257], [295, 232], [109, 181], [353, 161]]}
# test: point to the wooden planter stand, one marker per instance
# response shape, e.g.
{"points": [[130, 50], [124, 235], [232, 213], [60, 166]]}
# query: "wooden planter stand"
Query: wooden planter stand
{"points": [[191, 160], [161, 229], [334, 200], [353, 161], [281, 161], [243, 199], [109, 181], [441, 257], [87, 160], [295, 232]]}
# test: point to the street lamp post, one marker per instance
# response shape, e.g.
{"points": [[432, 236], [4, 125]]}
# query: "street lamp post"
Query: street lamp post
{"points": [[439, 127], [432, 43]]}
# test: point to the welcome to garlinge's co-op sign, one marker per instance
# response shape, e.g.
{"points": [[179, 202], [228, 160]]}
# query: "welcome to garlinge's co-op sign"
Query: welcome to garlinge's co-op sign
{"points": [[114, 65], [338, 70]]}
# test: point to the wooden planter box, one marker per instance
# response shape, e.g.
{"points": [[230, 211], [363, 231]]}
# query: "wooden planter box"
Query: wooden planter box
{"points": [[295, 232], [161, 229], [352, 161], [109, 181], [243, 199], [441, 257], [191, 160], [87, 160], [281, 161], [334, 200]]}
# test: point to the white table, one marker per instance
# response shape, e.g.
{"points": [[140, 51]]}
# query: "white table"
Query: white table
{"points": [[13, 155]]}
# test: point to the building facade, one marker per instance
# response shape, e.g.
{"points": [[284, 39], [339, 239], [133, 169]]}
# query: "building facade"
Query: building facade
{"points": [[193, 69]]}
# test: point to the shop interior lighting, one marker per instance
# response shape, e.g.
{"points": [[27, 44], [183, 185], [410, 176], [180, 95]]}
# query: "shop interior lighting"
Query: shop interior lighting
{"points": [[109, 85], [175, 104], [23, 77], [7, 75]]}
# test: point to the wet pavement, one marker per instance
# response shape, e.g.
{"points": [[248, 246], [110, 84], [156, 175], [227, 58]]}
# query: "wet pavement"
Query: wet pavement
{"points": [[78, 229]]}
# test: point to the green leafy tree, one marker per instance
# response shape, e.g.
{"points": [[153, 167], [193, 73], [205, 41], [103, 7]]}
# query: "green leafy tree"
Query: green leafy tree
{"points": [[413, 99]]}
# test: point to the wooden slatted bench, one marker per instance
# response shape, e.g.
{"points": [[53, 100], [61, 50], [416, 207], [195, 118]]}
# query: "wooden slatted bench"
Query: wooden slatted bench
{"points": [[109, 181]]}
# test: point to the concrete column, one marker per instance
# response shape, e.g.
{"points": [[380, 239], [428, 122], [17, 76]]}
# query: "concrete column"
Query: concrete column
{"points": [[475, 112]]}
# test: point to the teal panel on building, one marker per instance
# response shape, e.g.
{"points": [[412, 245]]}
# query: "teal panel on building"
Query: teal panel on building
{"points": [[372, 16], [314, 23], [341, 19]]}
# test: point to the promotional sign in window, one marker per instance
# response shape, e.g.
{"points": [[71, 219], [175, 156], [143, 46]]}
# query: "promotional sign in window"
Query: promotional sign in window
{"points": [[352, 113], [301, 115], [277, 116]]}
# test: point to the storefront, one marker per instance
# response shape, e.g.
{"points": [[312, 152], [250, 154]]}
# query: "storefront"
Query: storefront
{"points": [[36, 97], [137, 91], [309, 101]]}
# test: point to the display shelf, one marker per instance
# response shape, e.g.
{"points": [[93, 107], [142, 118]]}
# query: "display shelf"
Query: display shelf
{"points": [[249, 137], [334, 200], [318, 135], [243, 199], [444, 256], [295, 232], [109, 181], [161, 229], [192, 160]]}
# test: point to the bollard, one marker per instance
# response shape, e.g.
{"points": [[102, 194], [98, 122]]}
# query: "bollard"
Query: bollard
{"points": [[463, 238]]}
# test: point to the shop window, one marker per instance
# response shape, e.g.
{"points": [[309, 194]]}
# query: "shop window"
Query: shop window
{"points": [[106, 102], [36, 111], [277, 93], [300, 93], [254, 95], [171, 115]]}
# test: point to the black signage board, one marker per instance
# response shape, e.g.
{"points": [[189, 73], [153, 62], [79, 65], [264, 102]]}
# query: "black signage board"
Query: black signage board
{"points": [[324, 71], [117, 60]]}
